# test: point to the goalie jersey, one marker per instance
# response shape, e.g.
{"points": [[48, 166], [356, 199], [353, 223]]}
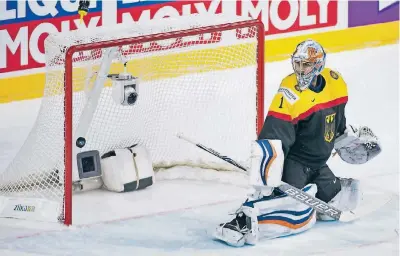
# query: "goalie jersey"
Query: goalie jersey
{"points": [[307, 122]]}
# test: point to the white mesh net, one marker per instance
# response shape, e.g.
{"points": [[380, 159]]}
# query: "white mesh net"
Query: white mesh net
{"points": [[203, 85]]}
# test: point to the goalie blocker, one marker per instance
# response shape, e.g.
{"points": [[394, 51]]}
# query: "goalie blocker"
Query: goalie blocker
{"points": [[127, 169]]}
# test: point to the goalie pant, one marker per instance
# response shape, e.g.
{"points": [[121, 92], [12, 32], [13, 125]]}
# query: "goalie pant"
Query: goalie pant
{"points": [[269, 167], [299, 175]]}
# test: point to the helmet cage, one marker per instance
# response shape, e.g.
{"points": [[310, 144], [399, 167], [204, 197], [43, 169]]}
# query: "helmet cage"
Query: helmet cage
{"points": [[308, 61]]}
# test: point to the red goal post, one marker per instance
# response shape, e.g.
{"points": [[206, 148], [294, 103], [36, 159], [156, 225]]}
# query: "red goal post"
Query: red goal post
{"points": [[137, 40]]}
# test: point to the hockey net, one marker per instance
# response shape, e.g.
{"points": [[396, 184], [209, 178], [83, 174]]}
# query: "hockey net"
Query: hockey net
{"points": [[202, 77]]}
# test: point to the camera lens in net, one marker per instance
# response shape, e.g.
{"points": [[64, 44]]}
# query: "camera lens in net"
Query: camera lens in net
{"points": [[132, 98], [88, 164]]}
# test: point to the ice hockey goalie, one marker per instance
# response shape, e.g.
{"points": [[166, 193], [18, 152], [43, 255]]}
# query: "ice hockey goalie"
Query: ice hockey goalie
{"points": [[305, 123]]}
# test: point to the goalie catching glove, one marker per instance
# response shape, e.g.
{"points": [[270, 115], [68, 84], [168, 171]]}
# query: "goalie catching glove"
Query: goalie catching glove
{"points": [[357, 145], [127, 169]]}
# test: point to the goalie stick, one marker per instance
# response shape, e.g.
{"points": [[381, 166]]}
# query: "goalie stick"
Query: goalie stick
{"points": [[289, 190]]}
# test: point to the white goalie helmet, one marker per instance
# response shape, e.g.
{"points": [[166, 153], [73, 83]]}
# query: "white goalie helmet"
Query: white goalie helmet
{"points": [[308, 60]]}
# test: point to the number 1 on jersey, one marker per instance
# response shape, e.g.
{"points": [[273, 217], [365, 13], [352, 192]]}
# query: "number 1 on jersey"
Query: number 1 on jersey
{"points": [[280, 105]]}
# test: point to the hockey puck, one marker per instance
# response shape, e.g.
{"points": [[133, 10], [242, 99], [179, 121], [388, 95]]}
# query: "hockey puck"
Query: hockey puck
{"points": [[80, 142]]}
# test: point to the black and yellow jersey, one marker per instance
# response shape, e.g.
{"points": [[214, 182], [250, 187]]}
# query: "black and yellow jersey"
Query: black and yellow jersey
{"points": [[307, 122]]}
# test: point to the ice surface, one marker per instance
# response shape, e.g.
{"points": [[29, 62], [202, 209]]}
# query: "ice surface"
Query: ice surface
{"points": [[177, 215]]}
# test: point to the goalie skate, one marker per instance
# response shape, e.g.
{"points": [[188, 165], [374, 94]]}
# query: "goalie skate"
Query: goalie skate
{"points": [[242, 229]]}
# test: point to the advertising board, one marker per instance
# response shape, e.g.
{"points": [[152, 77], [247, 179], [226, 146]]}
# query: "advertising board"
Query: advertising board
{"points": [[363, 13], [24, 25], [338, 25]]}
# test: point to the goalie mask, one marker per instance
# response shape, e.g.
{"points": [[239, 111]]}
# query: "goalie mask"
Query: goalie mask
{"points": [[308, 61]]}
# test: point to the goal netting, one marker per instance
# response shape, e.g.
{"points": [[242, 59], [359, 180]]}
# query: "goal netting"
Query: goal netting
{"points": [[201, 76]]}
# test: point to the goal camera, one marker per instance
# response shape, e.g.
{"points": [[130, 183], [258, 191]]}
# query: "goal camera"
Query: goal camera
{"points": [[88, 164], [125, 88]]}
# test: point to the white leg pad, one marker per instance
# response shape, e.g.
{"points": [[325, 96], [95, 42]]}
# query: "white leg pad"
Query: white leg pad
{"points": [[270, 217], [347, 199], [267, 160], [283, 216]]}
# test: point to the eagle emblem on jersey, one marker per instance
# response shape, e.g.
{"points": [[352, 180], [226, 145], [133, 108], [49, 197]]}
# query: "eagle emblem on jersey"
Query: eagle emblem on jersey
{"points": [[329, 133], [334, 75]]}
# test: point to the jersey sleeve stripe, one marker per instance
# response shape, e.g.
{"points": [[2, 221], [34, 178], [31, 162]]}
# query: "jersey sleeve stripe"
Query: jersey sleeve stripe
{"points": [[281, 116], [321, 106]]}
